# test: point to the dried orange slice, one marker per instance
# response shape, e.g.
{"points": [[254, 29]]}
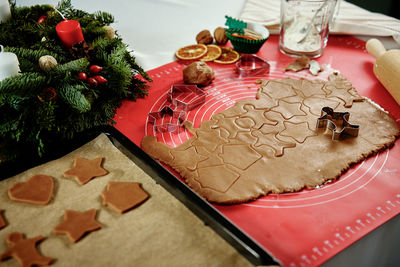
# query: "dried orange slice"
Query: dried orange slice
{"points": [[228, 56], [213, 52], [191, 52]]}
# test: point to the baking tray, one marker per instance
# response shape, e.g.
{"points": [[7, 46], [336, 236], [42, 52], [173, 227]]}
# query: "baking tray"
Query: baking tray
{"points": [[202, 209]]}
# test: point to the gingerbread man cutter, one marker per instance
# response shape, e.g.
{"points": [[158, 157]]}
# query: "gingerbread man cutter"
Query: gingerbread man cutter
{"points": [[338, 123]]}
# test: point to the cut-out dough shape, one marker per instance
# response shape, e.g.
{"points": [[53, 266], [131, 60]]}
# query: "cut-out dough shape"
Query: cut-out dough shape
{"points": [[219, 178], [36, 190], [258, 116], [297, 131], [289, 110], [2, 221], [123, 196], [240, 156], [188, 158], [229, 124], [271, 140], [76, 224], [24, 251], [84, 170]]}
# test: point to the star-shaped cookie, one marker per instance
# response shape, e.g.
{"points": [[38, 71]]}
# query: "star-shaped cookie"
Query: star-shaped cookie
{"points": [[76, 224], [84, 170], [123, 196]]}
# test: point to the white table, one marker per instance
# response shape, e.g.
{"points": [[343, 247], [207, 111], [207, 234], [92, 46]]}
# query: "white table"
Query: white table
{"points": [[155, 29]]}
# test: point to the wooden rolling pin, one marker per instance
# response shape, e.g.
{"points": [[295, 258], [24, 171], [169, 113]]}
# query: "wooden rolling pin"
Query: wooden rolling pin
{"points": [[386, 67]]}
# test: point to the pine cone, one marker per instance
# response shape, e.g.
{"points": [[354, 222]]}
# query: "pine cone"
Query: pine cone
{"points": [[80, 50]]}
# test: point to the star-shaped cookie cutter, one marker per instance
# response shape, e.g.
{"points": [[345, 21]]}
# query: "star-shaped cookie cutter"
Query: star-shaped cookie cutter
{"points": [[338, 123], [249, 65], [177, 117], [186, 96]]}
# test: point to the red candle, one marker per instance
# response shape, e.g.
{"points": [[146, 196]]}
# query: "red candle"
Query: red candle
{"points": [[69, 32]]}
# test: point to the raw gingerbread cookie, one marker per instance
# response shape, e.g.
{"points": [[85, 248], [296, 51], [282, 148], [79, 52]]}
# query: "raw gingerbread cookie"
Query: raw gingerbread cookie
{"points": [[2, 221], [271, 145], [84, 170], [24, 251], [123, 196], [37, 190], [76, 224]]}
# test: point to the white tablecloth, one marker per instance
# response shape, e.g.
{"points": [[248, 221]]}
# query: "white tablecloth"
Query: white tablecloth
{"points": [[155, 29]]}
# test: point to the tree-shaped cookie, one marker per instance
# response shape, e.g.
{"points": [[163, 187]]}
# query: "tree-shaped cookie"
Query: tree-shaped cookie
{"points": [[84, 170], [123, 196], [76, 224], [36, 190], [24, 251]]}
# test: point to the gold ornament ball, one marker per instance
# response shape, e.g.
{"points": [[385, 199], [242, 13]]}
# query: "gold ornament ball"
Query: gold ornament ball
{"points": [[47, 63], [110, 32]]}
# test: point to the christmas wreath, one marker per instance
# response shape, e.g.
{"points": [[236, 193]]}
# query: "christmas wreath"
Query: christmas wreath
{"points": [[62, 89]]}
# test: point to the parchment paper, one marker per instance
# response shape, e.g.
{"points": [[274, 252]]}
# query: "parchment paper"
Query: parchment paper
{"points": [[160, 232]]}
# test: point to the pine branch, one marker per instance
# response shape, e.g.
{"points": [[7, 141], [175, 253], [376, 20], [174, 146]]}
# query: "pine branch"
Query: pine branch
{"points": [[73, 96], [24, 85], [79, 65], [32, 55]]}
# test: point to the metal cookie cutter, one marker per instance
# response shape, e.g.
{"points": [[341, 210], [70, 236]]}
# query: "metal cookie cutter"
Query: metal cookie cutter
{"points": [[251, 65], [185, 96], [162, 123], [332, 120]]}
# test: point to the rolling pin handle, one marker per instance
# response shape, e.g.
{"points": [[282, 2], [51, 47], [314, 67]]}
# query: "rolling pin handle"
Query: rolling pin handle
{"points": [[375, 48]]}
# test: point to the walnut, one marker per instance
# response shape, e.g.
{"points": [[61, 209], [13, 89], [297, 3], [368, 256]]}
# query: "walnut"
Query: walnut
{"points": [[198, 73], [47, 63], [220, 36], [204, 37], [110, 32]]}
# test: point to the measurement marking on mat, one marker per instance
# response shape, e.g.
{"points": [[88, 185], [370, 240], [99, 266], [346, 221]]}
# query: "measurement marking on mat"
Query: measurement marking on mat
{"points": [[326, 242], [360, 222], [339, 236], [306, 259], [371, 216], [381, 210], [390, 203], [348, 228], [316, 250]]}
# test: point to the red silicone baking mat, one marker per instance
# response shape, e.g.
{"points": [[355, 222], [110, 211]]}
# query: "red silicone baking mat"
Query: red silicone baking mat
{"points": [[308, 227]]}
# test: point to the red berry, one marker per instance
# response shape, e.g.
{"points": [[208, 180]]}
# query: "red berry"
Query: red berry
{"points": [[100, 79], [95, 69], [42, 19], [92, 81], [82, 76]]}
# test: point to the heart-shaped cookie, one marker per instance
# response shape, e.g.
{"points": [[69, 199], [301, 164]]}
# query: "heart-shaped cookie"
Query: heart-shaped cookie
{"points": [[37, 190]]}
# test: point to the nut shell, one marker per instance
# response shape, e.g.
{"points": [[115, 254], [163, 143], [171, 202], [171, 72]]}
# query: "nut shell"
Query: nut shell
{"points": [[204, 37], [220, 36], [198, 73], [47, 63]]}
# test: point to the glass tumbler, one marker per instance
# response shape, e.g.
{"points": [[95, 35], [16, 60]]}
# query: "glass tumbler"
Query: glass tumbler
{"points": [[305, 26]]}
